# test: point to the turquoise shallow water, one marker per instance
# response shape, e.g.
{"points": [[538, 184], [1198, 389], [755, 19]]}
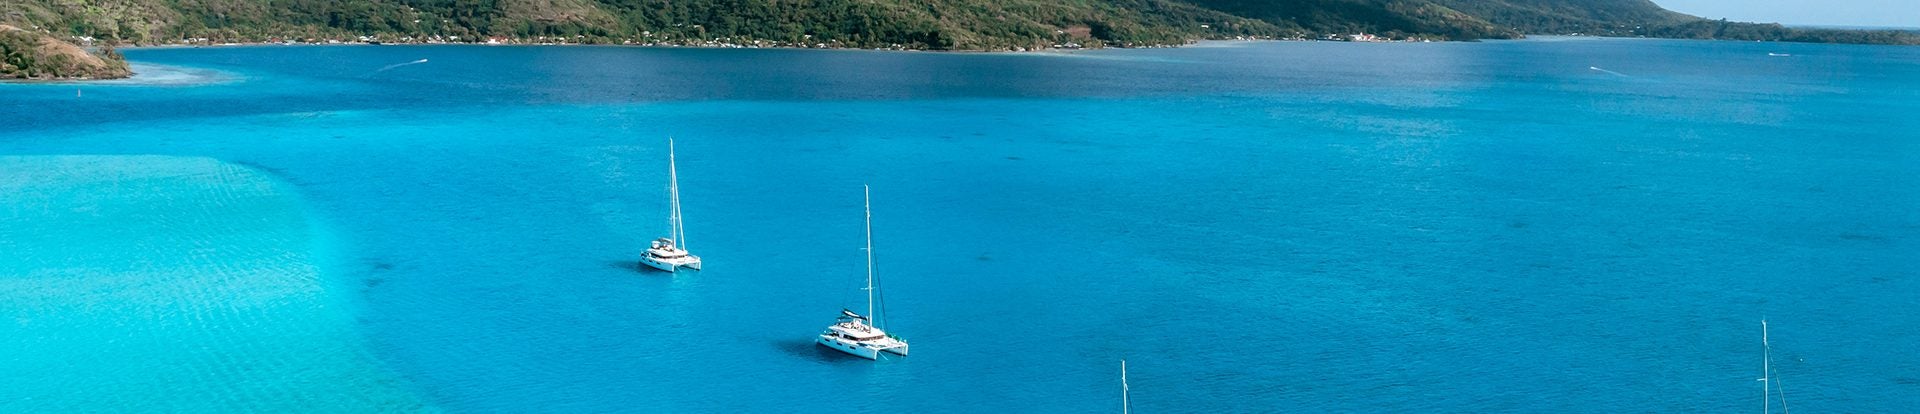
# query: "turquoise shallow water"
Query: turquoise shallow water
{"points": [[1572, 226], [172, 284]]}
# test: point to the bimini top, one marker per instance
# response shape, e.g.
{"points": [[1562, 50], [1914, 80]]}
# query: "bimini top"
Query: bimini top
{"points": [[664, 248]]}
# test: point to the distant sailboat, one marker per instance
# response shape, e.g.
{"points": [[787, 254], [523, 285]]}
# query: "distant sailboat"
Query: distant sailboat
{"points": [[860, 335], [1768, 384], [670, 253]]}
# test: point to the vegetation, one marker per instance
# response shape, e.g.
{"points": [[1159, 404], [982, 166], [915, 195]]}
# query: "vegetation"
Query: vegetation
{"points": [[1492, 19], [931, 24], [1642, 18], [29, 55], [1391, 18], [918, 24], [1722, 29], [1569, 16]]}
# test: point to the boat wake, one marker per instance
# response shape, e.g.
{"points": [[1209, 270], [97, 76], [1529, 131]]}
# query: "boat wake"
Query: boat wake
{"points": [[397, 65], [1597, 68]]}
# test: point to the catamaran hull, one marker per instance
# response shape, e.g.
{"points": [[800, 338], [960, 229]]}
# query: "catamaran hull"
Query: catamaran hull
{"points": [[850, 348], [668, 266]]}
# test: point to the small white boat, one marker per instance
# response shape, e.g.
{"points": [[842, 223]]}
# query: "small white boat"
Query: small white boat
{"points": [[860, 335], [670, 253]]}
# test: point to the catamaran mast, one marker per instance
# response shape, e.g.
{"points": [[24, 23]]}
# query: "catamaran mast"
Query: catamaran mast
{"points": [[868, 191], [1766, 370], [1125, 406], [1767, 383], [677, 232]]}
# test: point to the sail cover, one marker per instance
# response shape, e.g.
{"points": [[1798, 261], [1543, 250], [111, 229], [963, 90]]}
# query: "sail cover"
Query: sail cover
{"points": [[850, 314]]}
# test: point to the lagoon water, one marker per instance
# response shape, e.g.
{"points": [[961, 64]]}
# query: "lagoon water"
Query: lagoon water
{"points": [[1531, 226], [175, 284]]}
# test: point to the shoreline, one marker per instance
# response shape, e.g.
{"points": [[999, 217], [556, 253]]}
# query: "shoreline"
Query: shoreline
{"points": [[144, 74], [734, 43], [749, 46], [711, 45], [671, 45], [1048, 50]]}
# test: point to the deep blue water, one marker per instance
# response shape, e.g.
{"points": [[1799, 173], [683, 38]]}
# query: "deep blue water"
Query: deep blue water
{"points": [[1532, 226]]}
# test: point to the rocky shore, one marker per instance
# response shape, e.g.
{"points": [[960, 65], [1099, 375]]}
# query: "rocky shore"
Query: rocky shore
{"points": [[29, 55]]}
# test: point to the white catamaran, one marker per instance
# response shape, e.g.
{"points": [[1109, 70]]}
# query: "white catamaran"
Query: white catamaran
{"points": [[1768, 384], [858, 334], [670, 253]]}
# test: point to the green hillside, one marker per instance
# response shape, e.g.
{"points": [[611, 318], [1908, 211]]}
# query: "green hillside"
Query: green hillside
{"points": [[919, 24], [1395, 18], [1643, 18], [26, 54], [1490, 19], [935, 24], [1568, 16]]}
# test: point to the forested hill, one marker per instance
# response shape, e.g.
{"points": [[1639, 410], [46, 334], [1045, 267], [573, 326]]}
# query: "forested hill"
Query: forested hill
{"points": [[916, 24], [1637, 18], [1483, 19]]}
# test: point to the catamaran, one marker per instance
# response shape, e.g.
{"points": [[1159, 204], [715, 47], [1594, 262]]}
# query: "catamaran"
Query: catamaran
{"points": [[1767, 383], [857, 334], [670, 253]]}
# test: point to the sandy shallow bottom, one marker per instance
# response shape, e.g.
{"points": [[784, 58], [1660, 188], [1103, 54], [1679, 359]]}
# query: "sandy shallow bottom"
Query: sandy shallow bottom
{"points": [[172, 284], [146, 74]]}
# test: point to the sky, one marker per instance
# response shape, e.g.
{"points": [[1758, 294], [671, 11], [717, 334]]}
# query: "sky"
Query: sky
{"points": [[1890, 13]]}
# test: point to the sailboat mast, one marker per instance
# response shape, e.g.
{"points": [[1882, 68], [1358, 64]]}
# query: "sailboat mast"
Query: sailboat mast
{"points": [[1126, 407], [1766, 370], [673, 190], [868, 192]]}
